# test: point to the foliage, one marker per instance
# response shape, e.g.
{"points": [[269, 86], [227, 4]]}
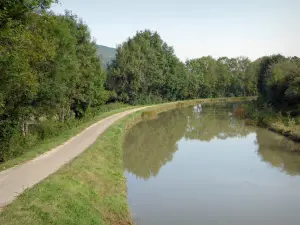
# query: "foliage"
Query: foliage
{"points": [[279, 82], [223, 77], [30, 146], [146, 70], [49, 70], [51, 74], [12, 10]]}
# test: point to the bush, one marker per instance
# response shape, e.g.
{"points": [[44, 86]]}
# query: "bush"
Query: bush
{"points": [[49, 128], [13, 143]]}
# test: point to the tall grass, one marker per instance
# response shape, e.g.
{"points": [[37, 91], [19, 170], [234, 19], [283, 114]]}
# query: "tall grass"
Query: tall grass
{"points": [[277, 121]]}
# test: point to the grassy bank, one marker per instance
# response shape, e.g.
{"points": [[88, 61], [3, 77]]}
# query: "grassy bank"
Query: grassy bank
{"points": [[63, 134], [91, 189], [59, 135], [275, 121]]}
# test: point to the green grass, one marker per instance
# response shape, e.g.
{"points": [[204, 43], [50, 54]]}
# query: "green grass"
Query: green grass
{"points": [[290, 131], [275, 121], [89, 190], [53, 142]]}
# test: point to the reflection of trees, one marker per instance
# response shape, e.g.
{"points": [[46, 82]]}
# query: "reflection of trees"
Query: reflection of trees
{"points": [[275, 150], [214, 121], [150, 144]]}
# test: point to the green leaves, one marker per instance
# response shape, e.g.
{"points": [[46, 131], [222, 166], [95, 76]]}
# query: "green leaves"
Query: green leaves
{"points": [[49, 69], [18, 10], [279, 81], [222, 77], [145, 70]]}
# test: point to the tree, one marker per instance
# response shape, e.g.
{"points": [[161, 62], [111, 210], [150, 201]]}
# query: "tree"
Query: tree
{"points": [[264, 65], [278, 82], [283, 84], [49, 69], [204, 70], [146, 70], [12, 10], [222, 77]]}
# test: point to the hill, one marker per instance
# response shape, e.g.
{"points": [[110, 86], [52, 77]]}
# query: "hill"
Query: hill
{"points": [[106, 54]]}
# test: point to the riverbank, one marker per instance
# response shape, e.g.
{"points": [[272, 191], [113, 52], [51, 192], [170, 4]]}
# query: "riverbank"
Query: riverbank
{"points": [[71, 129], [287, 126], [91, 189], [63, 135]]}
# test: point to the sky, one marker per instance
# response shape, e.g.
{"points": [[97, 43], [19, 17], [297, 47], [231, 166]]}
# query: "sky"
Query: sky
{"points": [[197, 28]]}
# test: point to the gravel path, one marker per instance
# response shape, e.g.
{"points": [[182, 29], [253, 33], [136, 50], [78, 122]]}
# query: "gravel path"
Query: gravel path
{"points": [[15, 180]]}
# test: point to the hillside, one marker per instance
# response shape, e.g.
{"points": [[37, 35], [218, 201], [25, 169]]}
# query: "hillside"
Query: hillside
{"points": [[106, 54]]}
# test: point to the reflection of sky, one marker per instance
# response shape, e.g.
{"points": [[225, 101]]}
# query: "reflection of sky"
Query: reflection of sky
{"points": [[235, 156], [216, 182]]}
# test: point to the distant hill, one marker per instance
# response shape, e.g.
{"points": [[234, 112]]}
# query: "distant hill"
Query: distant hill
{"points": [[106, 54]]}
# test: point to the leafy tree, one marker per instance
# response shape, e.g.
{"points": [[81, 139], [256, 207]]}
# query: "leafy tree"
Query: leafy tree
{"points": [[264, 64], [146, 70], [279, 82], [49, 69], [204, 70], [222, 77], [283, 84], [12, 10]]}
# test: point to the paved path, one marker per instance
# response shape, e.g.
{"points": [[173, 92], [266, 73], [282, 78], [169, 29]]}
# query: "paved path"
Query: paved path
{"points": [[15, 180]]}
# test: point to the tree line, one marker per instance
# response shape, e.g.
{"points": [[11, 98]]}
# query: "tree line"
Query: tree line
{"points": [[49, 70], [147, 70], [51, 75]]}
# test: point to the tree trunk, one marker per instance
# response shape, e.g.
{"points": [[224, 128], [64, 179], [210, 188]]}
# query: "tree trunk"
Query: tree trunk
{"points": [[62, 114], [26, 128], [23, 129]]}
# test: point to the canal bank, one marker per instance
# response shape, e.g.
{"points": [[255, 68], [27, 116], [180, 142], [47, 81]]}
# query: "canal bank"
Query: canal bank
{"points": [[89, 190]]}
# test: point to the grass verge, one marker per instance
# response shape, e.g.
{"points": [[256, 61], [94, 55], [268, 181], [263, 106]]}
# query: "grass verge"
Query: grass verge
{"points": [[266, 117], [50, 143], [89, 190]]}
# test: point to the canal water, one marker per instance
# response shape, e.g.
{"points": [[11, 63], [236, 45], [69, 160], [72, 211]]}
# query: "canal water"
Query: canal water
{"points": [[201, 165]]}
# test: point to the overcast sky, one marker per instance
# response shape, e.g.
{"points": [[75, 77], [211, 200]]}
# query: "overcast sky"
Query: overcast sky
{"points": [[197, 28]]}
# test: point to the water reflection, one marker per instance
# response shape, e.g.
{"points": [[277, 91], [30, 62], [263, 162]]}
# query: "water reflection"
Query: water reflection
{"points": [[151, 144], [215, 122], [200, 165], [274, 149]]}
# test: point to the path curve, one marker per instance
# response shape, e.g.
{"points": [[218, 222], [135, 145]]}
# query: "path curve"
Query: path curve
{"points": [[15, 180]]}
